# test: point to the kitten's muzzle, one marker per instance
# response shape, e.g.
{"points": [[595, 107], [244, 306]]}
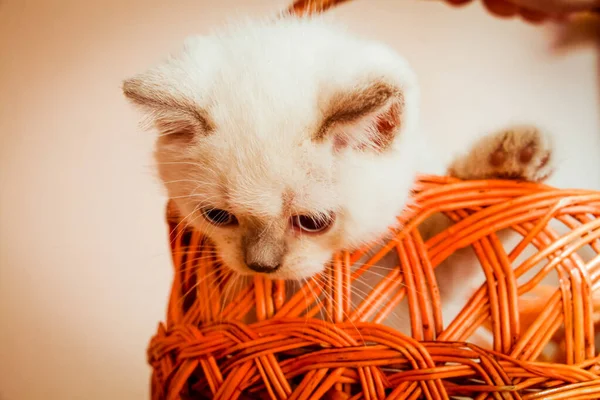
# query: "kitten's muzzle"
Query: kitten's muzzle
{"points": [[264, 246], [264, 268]]}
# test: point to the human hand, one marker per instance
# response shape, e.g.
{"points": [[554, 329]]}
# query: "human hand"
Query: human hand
{"points": [[557, 7]]}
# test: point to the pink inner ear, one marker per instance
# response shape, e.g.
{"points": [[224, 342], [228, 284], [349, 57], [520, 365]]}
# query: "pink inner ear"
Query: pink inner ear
{"points": [[373, 131], [340, 142], [176, 129], [389, 121]]}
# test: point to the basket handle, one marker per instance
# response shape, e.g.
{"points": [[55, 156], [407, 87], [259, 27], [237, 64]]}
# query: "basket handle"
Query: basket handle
{"points": [[308, 7], [498, 8]]}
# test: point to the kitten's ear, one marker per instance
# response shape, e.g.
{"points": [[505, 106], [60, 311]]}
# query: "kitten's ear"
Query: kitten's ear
{"points": [[364, 118], [174, 114]]}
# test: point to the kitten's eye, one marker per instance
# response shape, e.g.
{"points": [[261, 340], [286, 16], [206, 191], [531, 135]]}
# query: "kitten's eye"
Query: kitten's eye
{"points": [[219, 217], [313, 224]]}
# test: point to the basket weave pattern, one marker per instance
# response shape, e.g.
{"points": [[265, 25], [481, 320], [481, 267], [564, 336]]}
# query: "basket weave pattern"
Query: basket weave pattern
{"points": [[264, 340], [205, 350]]}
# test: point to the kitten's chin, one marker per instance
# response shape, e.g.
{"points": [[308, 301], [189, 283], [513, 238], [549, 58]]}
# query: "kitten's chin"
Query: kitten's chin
{"points": [[285, 273], [288, 272], [298, 274]]}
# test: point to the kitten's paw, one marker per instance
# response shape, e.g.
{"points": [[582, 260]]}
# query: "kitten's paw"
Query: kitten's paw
{"points": [[520, 153]]}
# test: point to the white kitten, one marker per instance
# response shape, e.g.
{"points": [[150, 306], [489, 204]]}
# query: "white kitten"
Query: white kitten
{"points": [[286, 141]]}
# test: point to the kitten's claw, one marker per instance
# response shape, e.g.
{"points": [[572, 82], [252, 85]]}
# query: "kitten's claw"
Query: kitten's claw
{"points": [[520, 153]]}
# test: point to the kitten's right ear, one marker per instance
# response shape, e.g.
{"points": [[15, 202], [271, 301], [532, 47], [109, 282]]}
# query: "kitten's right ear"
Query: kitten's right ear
{"points": [[364, 117], [174, 114]]}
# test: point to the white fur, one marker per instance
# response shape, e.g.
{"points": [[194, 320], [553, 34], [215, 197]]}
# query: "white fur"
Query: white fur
{"points": [[265, 86]]}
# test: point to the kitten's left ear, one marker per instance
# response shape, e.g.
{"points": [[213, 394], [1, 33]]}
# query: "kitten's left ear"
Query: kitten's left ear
{"points": [[368, 117], [174, 113]]}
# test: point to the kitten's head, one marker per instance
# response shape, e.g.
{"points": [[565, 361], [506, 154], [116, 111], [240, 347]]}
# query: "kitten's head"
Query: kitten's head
{"points": [[283, 142]]}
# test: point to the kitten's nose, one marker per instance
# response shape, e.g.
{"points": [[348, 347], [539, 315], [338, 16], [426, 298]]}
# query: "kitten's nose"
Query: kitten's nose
{"points": [[263, 268]]}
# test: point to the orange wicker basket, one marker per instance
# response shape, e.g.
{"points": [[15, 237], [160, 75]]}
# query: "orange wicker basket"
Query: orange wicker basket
{"points": [[312, 343]]}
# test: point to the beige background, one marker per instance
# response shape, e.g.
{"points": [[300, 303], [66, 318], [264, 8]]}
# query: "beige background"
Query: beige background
{"points": [[84, 267]]}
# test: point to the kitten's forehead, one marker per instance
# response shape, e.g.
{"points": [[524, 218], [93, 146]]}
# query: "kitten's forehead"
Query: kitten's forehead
{"points": [[266, 94], [271, 181], [271, 107], [279, 76]]}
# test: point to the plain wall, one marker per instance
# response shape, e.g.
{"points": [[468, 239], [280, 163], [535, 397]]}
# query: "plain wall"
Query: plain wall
{"points": [[84, 263]]}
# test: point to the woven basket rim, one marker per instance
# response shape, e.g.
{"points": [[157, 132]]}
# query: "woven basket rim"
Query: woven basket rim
{"points": [[511, 368]]}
